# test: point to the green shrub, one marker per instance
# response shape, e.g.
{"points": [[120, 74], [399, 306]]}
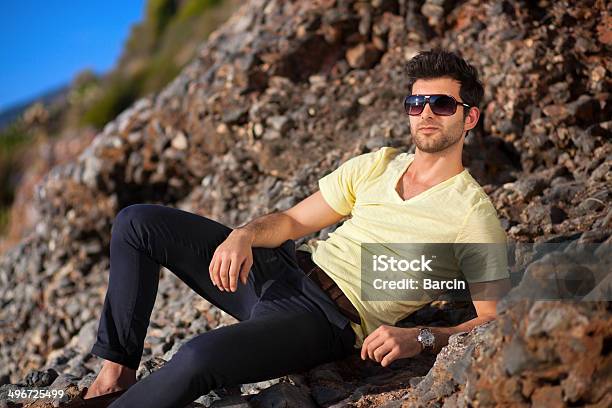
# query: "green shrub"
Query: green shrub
{"points": [[119, 95], [170, 28], [159, 14], [193, 8], [12, 138]]}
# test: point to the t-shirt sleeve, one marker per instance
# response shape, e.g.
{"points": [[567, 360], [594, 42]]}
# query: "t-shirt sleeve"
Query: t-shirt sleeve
{"points": [[481, 245], [339, 188]]}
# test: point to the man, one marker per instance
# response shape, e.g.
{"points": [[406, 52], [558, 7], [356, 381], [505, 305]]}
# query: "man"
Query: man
{"points": [[286, 322]]}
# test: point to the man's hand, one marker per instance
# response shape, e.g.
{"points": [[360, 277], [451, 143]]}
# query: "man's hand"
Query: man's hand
{"points": [[231, 261], [389, 343]]}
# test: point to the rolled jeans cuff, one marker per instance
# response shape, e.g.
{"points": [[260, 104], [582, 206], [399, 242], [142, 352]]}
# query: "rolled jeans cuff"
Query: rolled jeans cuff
{"points": [[130, 362]]}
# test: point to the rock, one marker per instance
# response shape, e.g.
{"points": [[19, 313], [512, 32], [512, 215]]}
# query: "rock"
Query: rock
{"points": [[179, 142], [367, 99], [235, 116], [282, 394], [41, 378], [585, 109], [87, 336], [564, 192], [557, 215], [530, 187], [362, 56], [515, 357], [279, 123], [454, 358], [254, 388], [327, 395], [63, 381]]}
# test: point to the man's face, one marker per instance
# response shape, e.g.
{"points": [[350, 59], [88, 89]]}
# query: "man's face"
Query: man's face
{"points": [[446, 130]]}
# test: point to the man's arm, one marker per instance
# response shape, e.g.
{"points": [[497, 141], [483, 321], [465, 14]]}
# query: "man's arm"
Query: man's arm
{"points": [[485, 310], [233, 258], [309, 215], [388, 343]]}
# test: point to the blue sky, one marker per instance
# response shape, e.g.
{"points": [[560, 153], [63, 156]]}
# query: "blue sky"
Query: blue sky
{"points": [[44, 43]]}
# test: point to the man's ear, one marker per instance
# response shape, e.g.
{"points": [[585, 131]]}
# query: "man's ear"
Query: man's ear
{"points": [[472, 118]]}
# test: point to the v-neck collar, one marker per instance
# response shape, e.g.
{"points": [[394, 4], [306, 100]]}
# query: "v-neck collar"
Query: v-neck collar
{"points": [[423, 194]]}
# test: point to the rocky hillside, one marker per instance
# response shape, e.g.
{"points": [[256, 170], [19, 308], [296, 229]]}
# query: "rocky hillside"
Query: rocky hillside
{"points": [[157, 48], [280, 95]]}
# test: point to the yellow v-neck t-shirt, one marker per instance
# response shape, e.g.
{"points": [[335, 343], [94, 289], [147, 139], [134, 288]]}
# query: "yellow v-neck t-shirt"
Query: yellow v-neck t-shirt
{"points": [[457, 210]]}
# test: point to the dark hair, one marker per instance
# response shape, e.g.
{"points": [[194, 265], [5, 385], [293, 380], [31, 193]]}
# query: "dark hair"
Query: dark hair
{"points": [[438, 63]]}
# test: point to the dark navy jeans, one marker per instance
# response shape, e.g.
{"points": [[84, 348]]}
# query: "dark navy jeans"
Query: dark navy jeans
{"points": [[287, 324]]}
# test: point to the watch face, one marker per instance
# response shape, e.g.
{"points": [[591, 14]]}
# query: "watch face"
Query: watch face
{"points": [[426, 337]]}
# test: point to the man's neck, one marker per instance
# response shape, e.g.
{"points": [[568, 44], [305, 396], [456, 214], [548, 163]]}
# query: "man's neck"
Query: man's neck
{"points": [[429, 169]]}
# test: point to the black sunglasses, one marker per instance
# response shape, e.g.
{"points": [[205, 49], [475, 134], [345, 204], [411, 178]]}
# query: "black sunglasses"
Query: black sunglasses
{"points": [[443, 105]]}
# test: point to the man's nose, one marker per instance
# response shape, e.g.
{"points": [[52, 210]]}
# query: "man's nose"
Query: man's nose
{"points": [[427, 112]]}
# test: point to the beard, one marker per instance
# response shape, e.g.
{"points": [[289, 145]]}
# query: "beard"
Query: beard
{"points": [[436, 142]]}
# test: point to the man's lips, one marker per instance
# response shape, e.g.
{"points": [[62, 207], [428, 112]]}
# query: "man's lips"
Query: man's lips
{"points": [[428, 130]]}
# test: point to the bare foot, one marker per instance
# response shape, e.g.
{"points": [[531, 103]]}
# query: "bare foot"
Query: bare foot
{"points": [[112, 377]]}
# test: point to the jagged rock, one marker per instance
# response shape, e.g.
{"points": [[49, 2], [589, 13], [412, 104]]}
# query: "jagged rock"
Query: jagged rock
{"points": [[362, 56], [281, 395]]}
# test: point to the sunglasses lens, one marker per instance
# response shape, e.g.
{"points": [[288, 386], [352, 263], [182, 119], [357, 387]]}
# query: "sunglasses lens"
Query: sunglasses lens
{"points": [[414, 104], [443, 105]]}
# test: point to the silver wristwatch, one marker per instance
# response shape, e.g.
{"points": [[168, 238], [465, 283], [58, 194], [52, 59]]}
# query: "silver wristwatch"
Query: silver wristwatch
{"points": [[426, 338]]}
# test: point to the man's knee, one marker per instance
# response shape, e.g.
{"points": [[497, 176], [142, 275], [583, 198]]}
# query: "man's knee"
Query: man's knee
{"points": [[131, 216], [201, 361]]}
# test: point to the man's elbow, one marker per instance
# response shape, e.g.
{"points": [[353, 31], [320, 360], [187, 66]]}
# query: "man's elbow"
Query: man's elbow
{"points": [[488, 317], [486, 310]]}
